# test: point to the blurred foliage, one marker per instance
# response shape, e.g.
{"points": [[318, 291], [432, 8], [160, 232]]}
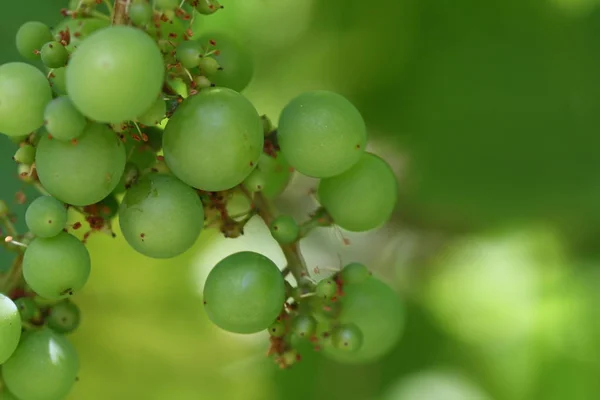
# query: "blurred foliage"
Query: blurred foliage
{"points": [[489, 111]]}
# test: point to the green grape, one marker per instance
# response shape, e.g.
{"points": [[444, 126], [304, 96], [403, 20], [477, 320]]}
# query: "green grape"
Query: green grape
{"points": [[213, 140], [209, 66], [167, 33], [236, 62], [378, 312], [188, 53], [155, 114], [54, 55], [321, 134], [361, 198], [161, 217], [81, 173], [56, 267], [79, 29], [28, 309], [108, 208], [62, 119], [122, 67], [256, 181], [304, 325], [285, 229], [166, 5], [44, 367], [277, 173], [202, 82], [154, 138], [277, 329], [326, 289], [140, 13], [207, 7], [46, 216], [10, 328], [354, 273], [18, 139], [347, 337], [58, 81], [24, 93], [140, 154], [244, 293], [25, 154], [64, 317], [31, 36]]}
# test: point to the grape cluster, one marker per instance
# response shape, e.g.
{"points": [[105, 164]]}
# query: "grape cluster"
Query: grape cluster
{"points": [[140, 118]]}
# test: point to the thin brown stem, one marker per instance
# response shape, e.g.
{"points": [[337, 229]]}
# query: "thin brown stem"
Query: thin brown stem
{"points": [[120, 12]]}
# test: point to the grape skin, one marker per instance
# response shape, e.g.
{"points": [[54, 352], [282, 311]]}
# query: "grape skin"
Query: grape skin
{"points": [[10, 328], [46, 216]]}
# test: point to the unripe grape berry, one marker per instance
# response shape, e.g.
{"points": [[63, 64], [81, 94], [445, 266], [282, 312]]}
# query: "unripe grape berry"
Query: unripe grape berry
{"points": [[79, 30], [213, 140], [56, 267], [122, 67], [363, 197], [285, 229], [108, 208], [155, 114], [270, 177], [84, 172], [166, 5], [208, 65], [277, 329], [207, 7], [236, 62], [160, 216], [25, 154], [202, 82], [63, 121], [188, 53], [46, 216], [326, 289], [64, 317], [25, 173], [30, 38], [10, 328], [154, 138], [321, 134], [46, 358], [304, 325], [58, 81], [244, 293], [140, 13], [355, 273], [24, 93], [256, 181], [54, 55], [347, 337], [28, 309]]}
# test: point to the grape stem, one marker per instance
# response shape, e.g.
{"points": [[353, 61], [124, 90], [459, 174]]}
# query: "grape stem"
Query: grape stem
{"points": [[295, 262], [120, 12]]}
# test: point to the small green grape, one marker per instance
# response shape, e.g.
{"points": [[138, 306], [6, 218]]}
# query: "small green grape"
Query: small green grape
{"points": [[244, 293], [154, 138], [25, 154], [140, 13], [28, 309], [166, 5], [202, 82], [56, 267], [81, 173], [188, 53], [277, 329], [213, 140], [24, 93], [44, 367], [355, 273], [63, 121], [256, 181], [208, 65], [140, 154], [122, 67], [54, 55], [108, 208], [363, 197], [270, 177], [207, 7], [326, 289], [64, 317], [10, 328], [169, 32], [46, 216], [79, 30], [378, 312], [304, 325], [30, 38], [58, 81], [347, 337], [285, 229], [321, 134], [237, 65], [161, 217], [155, 114]]}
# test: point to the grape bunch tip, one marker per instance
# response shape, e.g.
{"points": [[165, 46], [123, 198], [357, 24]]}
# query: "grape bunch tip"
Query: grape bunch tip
{"points": [[139, 119]]}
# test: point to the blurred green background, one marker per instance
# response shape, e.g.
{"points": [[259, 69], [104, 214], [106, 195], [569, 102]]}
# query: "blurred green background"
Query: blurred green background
{"points": [[489, 111]]}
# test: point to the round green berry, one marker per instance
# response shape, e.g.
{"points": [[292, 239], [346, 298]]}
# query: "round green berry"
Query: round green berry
{"points": [[354, 273], [347, 337], [46, 216], [285, 229]]}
